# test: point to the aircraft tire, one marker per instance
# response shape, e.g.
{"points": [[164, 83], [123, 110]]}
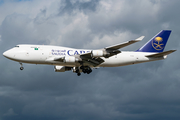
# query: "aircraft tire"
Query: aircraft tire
{"points": [[78, 74], [21, 68], [84, 71]]}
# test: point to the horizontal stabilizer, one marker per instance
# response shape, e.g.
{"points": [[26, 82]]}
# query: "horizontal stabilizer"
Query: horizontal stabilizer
{"points": [[161, 54]]}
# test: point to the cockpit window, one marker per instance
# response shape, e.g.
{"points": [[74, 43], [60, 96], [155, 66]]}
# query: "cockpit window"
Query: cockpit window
{"points": [[16, 46]]}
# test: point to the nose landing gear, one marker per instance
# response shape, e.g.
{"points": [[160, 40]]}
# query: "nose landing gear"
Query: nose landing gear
{"points": [[21, 68]]}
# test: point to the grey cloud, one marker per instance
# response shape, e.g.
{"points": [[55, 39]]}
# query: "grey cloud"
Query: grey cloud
{"points": [[15, 27], [10, 112], [70, 5], [142, 91]]}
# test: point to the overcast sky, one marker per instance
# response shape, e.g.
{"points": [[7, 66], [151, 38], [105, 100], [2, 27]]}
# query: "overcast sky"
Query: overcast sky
{"points": [[147, 91]]}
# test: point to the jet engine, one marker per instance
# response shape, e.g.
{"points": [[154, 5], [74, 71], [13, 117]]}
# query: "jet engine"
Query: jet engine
{"points": [[61, 68], [99, 53], [70, 59]]}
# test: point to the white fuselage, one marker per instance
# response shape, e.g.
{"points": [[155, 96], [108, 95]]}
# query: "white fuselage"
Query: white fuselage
{"points": [[45, 54]]}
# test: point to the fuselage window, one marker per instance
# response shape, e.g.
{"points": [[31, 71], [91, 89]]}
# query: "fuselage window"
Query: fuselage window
{"points": [[16, 46]]}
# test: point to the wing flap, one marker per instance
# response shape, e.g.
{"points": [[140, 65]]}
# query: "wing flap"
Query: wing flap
{"points": [[92, 61], [161, 54]]}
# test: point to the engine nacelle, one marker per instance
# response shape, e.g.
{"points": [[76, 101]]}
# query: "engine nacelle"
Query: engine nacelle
{"points": [[61, 68], [70, 59], [99, 53]]}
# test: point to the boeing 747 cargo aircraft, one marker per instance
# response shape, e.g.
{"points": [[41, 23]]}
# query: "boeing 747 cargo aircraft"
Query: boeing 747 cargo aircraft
{"points": [[81, 60]]}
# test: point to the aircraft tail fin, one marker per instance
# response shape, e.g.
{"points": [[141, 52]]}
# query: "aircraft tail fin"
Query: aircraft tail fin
{"points": [[157, 43]]}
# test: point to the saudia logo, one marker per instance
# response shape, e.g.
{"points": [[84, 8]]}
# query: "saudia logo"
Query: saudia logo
{"points": [[157, 43], [68, 52]]}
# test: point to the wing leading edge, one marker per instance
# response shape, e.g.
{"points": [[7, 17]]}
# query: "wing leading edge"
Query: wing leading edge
{"points": [[119, 46]]}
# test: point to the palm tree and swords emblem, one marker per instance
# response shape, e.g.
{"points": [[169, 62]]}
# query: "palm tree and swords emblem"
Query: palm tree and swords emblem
{"points": [[156, 43]]}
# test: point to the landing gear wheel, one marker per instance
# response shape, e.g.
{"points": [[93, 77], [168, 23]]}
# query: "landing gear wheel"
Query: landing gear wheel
{"points": [[77, 71], [78, 74], [21, 68], [84, 70]]}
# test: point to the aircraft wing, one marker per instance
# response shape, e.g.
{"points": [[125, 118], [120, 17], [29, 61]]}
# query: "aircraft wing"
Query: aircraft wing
{"points": [[113, 50], [119, 46]]}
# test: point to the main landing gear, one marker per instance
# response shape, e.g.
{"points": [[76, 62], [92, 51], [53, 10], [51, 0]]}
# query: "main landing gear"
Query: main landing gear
{"points": [[87, 70], [84, 69], [21, 68], [78, 72]]}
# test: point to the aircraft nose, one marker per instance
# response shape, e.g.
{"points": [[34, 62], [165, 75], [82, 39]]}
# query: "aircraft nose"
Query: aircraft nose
{"points": [[7, 54]]}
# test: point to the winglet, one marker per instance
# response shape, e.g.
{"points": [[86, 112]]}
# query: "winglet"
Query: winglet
{"points": [[140, 38]]}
